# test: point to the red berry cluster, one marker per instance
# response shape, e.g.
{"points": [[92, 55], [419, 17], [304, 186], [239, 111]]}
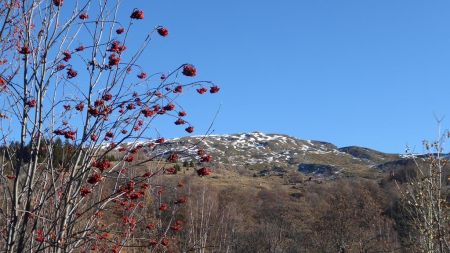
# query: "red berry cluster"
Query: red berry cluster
{"points": [[102, 165], [189, 70], [116, 47], [204, 171], [24, 50], [58, 2], [137, 14], [162, 31], [71, 73], [83, 16], [94, 178]]}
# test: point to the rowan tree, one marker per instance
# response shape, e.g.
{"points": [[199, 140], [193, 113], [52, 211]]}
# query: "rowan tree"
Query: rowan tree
{"points": [[67, 73]]}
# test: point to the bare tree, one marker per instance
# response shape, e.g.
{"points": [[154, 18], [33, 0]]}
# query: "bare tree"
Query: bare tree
{"points": [[426, 201], [352, 220]]}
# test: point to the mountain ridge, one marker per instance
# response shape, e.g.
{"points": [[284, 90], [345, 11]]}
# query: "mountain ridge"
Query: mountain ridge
{"points": [[266, 153]]}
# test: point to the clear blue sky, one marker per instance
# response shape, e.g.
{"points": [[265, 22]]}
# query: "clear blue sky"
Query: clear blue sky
{"points": [[350, 72]]}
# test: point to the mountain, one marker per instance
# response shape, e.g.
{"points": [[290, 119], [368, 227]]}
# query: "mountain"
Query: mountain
{"points": [[280, 183], [275, 154]]}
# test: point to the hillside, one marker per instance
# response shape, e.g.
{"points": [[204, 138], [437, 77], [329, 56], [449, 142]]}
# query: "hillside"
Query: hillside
{"points": [[277, 154]]}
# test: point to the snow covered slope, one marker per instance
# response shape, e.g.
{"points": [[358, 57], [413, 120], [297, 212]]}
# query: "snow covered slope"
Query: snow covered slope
{"points": [[265, 153]]}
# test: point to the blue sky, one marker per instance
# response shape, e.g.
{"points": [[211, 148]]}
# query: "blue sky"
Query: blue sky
{"points": [[350, 72]]}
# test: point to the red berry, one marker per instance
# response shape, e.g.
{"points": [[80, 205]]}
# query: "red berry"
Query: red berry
{"points": [[147, 174], [190, 129], [32, 103], [107, 97], [70, 135], [169, 107], [189, 70], [202, 90], [58, 2], [83, 16], [165, 242], [2, 82], [120, 30], [59, 132], [129, 159], [201, 152], [79, 107], [85, 191], [95, 178], [163, 31], [170, 171], [40, 235], [164, 207], [93, 111], [99, 102], [206, 159], [150, 226], [173, 158], [25, 50], [214, 89], [137, 14], [80, 48], [176, 227], [71, 73], [94, 137], [204, 171], [67, 56], [178, 89], [102, 164], [180, 122], [142, 75], [60, 67], [117, 47], [113, 60], [147, 112]]}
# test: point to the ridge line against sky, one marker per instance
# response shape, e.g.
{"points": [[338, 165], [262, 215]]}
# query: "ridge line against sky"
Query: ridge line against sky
{"points": [[350, 72]]}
